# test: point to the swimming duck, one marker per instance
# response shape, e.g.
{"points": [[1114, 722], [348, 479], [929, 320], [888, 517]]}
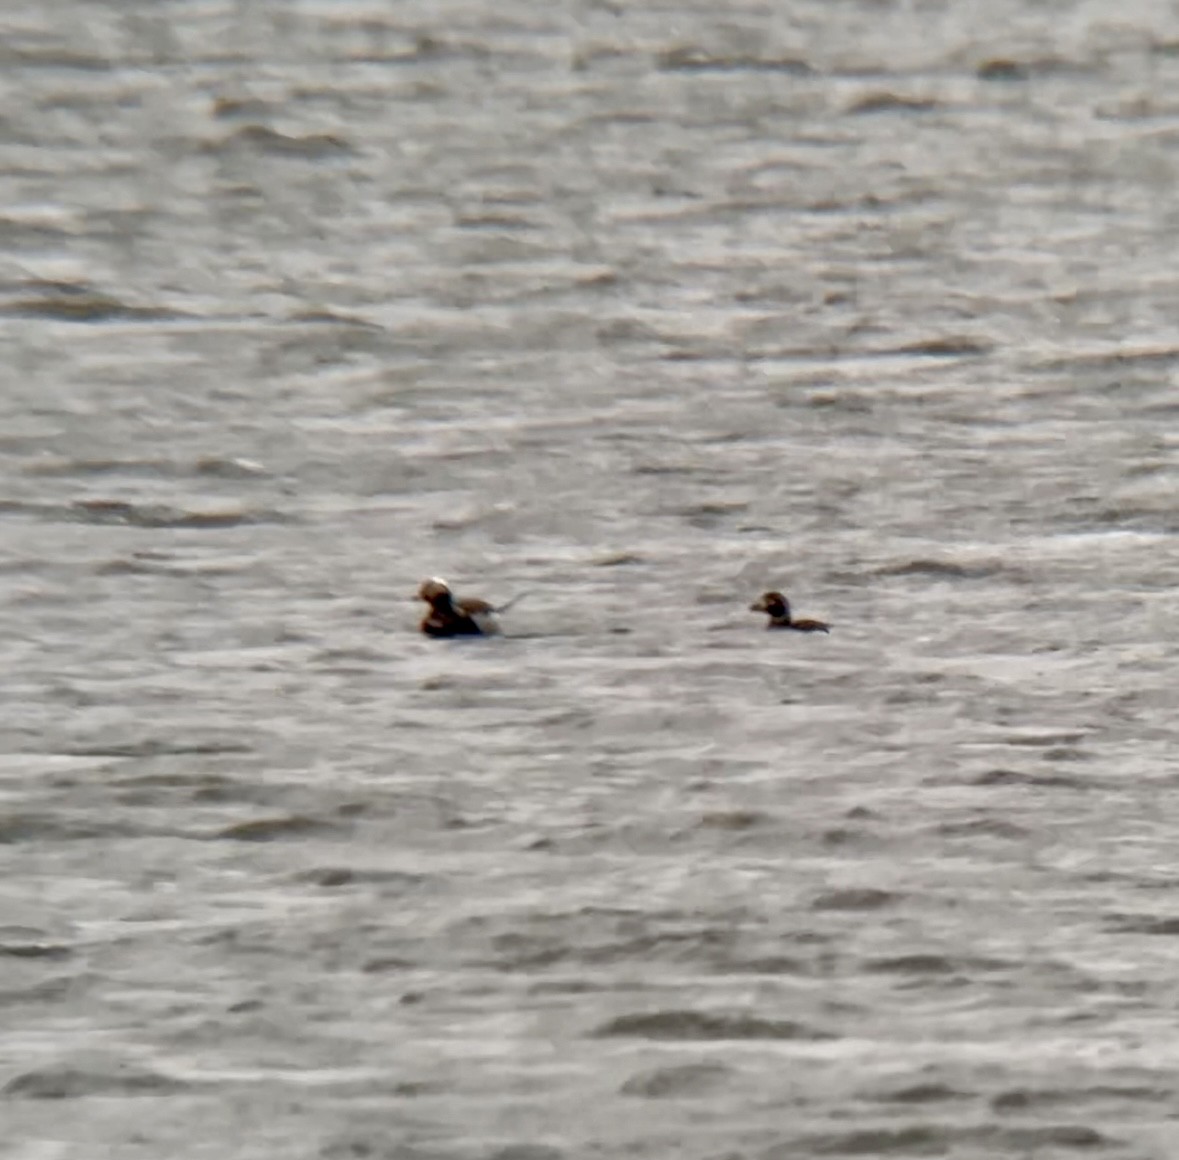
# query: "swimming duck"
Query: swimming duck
{"points": [[778, 608], [450, 617]]}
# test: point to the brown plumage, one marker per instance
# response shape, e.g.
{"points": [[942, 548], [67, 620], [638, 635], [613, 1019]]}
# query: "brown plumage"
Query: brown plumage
{"points": [[450, 617], [778, 608]]}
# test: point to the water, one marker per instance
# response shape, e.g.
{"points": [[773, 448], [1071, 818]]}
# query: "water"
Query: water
{"points": [[641, 310]]}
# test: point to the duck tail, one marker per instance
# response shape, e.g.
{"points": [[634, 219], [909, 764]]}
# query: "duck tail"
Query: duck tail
{"points": [[508, 604]]}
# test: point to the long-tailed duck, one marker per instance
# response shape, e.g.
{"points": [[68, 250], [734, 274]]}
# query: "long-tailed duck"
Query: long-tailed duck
{"points": [[778, 608], [450, 617]]}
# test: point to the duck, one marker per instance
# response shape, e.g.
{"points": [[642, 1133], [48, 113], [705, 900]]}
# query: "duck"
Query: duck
{"points": [[778, 608], [449, 617]]}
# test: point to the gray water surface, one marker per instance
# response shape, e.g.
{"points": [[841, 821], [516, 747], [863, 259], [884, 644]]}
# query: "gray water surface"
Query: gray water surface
{"points": [[641, 309]]}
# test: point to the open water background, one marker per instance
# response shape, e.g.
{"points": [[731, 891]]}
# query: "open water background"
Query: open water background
{"points": [[642, 308]]}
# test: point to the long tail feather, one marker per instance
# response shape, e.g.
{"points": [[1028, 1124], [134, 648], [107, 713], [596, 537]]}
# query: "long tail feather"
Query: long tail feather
{"points": [[515, 600]]}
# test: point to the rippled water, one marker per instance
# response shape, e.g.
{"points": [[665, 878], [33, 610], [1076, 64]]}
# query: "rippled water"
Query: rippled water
{"points": [[640, 310]]}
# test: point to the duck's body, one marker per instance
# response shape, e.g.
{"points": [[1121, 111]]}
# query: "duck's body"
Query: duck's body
{"points": [[778, 608], [450, 617]]}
